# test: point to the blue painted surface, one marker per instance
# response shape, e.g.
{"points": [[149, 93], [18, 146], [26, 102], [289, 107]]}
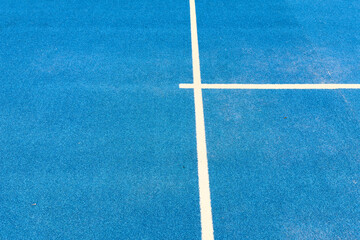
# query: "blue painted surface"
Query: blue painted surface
{"points": [[90, 126], [279, 41], [96, 132], [284, 164]]}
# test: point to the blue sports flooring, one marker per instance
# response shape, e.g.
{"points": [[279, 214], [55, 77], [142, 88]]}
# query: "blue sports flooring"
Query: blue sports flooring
{"points": [[97, 140]]}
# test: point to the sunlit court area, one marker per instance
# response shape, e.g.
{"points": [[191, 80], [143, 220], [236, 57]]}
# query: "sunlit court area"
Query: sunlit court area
{"points": [[191, 119]]}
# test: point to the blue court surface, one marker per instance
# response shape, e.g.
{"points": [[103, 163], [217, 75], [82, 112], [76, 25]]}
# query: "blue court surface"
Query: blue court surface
{"points": [[97, 140]]}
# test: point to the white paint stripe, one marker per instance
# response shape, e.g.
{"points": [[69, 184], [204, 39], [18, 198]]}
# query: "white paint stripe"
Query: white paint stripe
{"points": [[207, 232], [270, 86]]}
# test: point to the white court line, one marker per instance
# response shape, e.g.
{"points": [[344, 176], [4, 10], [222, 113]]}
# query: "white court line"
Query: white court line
{"points": [[207, 231], [269, 86]]}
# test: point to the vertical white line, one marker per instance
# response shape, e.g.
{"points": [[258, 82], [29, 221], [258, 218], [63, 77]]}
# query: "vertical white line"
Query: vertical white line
{"points": [[194, 44], [207, 232]]}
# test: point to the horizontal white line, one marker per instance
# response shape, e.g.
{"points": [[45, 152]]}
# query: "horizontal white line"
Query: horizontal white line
{"points": [[270, 86]]}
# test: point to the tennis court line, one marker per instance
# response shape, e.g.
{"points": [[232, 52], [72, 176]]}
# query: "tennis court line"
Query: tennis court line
{"points": [[207, 231], [268, 86]]}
